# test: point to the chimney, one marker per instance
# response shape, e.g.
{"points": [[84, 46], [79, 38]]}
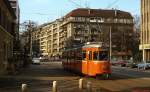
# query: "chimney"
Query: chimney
{"points": [[89, 11], [115, 12]]}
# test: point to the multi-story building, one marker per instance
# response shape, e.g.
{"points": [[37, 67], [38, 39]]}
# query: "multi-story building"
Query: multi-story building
{"points": [[43, 40], [145, 29], [7, 28], [46, 39], [91, 25], [15, 6], [39, 40], [54, 41], [83, 25]]}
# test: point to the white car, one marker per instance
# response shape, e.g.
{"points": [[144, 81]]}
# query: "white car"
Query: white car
{"points": [[36, 61], [143, 66]]}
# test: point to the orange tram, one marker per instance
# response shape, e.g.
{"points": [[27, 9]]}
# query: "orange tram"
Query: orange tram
{"points": [[91, 59]]}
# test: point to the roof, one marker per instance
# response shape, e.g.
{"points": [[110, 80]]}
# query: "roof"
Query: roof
{"points": [[85, 12], [46, 24]]}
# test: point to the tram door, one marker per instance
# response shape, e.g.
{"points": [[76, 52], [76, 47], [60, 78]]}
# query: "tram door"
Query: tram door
{"points": [[89, 62]]}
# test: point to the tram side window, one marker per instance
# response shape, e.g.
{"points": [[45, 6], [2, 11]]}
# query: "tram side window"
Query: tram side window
{"points": [[79, 56], [95, 55], [90, 55], [83, 55], [64, 55], [103, 55]]}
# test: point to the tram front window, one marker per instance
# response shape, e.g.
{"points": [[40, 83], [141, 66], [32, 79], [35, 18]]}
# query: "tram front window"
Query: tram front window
{"points": [[83, 55], [95, 55], [103, 55], [90, 55]]}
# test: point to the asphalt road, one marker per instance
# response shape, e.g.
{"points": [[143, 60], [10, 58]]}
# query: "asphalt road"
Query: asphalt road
{"points": [[40, 77]]}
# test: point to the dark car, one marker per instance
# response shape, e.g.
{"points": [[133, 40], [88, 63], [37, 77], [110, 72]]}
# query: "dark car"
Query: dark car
{"points": [[122, 63], [134, 65], [119, 63], [113, 62]]}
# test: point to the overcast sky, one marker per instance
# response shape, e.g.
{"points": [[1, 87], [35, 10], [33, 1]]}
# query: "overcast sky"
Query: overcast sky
{"points": [[42, 11]]}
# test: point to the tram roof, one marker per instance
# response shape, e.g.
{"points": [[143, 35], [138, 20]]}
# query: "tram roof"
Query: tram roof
{"points": [[93, 44], [88, 45]]}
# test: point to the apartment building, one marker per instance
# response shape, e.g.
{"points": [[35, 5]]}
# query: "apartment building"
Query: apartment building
{"points": [[94, 25], [91, 25], [145, 30], [7, 28], [39, 40], [53, 38], [46, 39]]}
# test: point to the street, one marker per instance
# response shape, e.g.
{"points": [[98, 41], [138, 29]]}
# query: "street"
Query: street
{"points": [[39, 78]]}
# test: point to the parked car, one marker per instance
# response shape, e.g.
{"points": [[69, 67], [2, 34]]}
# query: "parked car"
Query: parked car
{"points": [[131, 64], [143, 66], [119, 63], [113, 62], [134, 65], [36, 61], [44, 59]]}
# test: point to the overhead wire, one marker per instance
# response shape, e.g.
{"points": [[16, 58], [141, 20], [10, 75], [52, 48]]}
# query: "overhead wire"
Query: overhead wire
{"points": [[110, 5], [78, 5]]}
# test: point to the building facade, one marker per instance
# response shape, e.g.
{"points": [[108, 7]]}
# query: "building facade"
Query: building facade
{"points": [[15, 6], [45, 39], [91, 25], [94, 25], [145, 30], [7, 28], [53, 38]]}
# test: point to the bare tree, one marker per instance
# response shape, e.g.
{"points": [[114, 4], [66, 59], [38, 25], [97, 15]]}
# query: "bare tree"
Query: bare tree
{"points": [[26, 40], [137, 56]]}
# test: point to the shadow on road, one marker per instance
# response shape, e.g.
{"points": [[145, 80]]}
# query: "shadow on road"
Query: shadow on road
{"points": [[46, 69], [40, 77]]}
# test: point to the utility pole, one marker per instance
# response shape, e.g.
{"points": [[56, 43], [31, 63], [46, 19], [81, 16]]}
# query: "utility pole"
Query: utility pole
{"points": [[143, 50], [110, 43]]}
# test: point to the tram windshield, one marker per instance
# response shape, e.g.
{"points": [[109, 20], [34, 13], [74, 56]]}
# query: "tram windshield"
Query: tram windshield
{"points": [[103, 55], [95, 55], [100, 55]]}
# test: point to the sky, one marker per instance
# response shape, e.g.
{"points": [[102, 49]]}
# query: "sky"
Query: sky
{"points": [[43, 11]]}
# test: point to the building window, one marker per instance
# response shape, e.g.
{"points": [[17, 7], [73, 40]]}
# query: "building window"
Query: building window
{"points": [[92, 20], [101, 20]]}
